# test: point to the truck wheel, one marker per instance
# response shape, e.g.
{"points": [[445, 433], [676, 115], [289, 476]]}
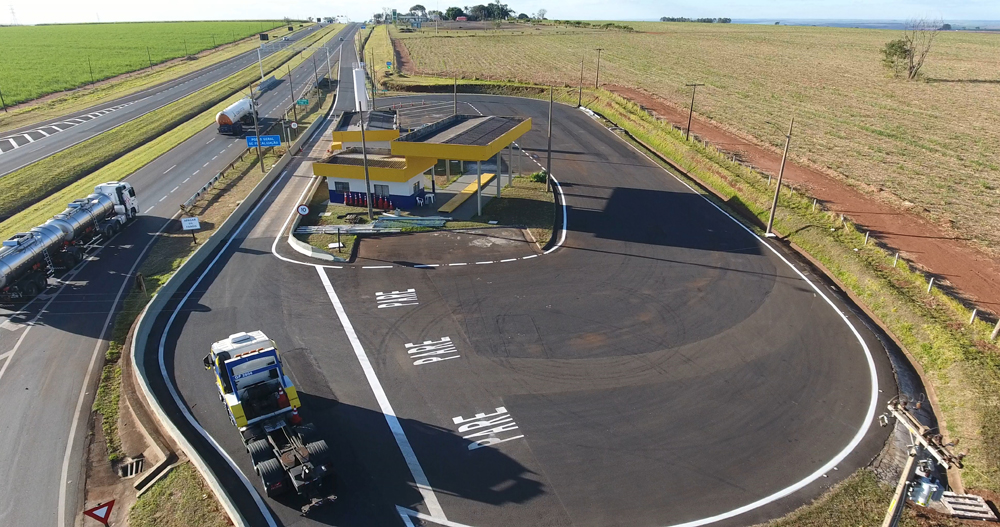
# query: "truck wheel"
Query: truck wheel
{"points": [[30, 289], [319, 452], [260, 451], [272, 475], [42, 282], [132, 213]]}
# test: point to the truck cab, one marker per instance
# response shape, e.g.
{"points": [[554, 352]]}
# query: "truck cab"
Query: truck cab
{"points": [[123, 195], [250, 379]]}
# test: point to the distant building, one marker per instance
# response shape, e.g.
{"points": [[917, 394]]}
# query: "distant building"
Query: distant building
{"points": [[461, 19]]}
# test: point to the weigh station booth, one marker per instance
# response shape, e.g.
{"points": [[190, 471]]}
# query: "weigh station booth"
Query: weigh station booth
{"points": [[397, 162]]}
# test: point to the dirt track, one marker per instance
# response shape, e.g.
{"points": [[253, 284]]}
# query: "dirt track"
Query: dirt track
{"points": [[943, 254]]}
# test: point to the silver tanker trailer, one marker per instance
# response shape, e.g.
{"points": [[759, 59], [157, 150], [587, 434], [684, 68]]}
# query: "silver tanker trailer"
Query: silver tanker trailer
{"points": [[28, 259]]}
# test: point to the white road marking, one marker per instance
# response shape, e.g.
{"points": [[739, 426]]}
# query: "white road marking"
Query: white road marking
{"points": [[214, 158], [419, 478], [377, 267], [195, 173], [28, 137], [169, 169], [223, 151], [484, 263], [426, 266], [205, 165], [175, 189], [185, 181], [529, 257], [161, 199], [149, 209], [508, 260], [41, 132], [456, 264]]}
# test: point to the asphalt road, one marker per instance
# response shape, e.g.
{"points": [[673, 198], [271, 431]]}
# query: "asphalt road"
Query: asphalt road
{"points": [[663, 366], [49, 347], [28, 144]]}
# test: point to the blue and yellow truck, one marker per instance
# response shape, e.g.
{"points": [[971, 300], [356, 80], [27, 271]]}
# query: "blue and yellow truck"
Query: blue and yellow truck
{"points": [[264, 405]]}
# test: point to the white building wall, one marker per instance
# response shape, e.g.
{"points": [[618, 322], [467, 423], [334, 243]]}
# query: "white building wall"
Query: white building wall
{"points": [[361, 102]]}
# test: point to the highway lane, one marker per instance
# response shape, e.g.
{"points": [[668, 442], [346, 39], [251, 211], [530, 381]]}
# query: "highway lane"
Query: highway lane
{"points": [[28, 144], [664, 366], [48, 373]]}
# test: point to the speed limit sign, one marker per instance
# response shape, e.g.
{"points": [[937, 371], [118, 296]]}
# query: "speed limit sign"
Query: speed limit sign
{"points": [[303, 210], [294, 125]]}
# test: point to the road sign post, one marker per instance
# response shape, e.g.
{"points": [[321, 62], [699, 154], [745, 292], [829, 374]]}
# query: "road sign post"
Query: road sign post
{"points": [[101, 512], [191, 224], [303, 210], [265, 140]]}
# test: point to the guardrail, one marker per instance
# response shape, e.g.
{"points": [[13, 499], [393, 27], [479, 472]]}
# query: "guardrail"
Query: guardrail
{"points": [[147, 321]]}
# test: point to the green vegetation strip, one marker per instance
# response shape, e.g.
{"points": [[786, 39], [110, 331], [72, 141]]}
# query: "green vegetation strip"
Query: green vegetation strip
{"points": [[73, 101], [960, 362], [181, 499], [38, 60], [42, 189]]}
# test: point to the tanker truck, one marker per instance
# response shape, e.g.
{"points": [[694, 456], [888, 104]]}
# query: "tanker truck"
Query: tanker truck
{"points": [[28, 259], [263, 405], [237, 115]]}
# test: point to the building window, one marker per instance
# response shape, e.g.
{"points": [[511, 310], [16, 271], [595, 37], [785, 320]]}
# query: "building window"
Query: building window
{"points": [[381, 190], [417, 185], [341, 186]]}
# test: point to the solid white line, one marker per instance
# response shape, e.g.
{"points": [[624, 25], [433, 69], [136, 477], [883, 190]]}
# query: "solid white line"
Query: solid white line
{"points": [[423, 485], [175, 189], [149, 209], [90, 369], [169, 169], [376, 267], [869, 417], [4, 356], [405, 514]]}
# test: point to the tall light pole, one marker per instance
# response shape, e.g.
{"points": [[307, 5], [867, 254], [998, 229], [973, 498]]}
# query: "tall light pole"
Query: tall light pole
{"points": [[548, 157], [597, 80], [261, 64], [579, 101], [295, 113], [256, 127], [781, 172], [694, 87], [364, 161]]}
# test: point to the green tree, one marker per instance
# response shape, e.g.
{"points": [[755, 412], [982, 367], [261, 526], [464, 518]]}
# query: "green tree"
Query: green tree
{"points": [[895, 55], [418, 10], [523, 16], [453, 12]]}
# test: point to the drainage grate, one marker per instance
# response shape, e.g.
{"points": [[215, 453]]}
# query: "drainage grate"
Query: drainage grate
{"points": [[130, 468], [968, 506]]}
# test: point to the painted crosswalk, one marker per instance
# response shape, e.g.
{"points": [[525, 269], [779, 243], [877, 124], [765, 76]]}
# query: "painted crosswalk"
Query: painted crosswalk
{"points": [[14, 141]]}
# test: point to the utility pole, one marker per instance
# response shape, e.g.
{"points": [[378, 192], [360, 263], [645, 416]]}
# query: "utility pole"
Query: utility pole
{"points": [[91, 66], [3, 102], [548, 157], [693, 87], [329, 70], [781, 172], [364, 161], [214, 45], [295, 113], [597, 80], [455, 108], [256, 127], [579, 101], [184, 40], [260, 63], [315, 70], [373, 77], [149, 58]]}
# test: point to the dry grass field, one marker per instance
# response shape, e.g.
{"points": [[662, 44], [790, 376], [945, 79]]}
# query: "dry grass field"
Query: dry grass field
{"points": [[933, 143]]}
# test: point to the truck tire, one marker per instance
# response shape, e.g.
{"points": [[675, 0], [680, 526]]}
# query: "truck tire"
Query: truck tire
{"points": [[272, 473], [43, 283], [260, 451], [30, 288], [319, 452]]}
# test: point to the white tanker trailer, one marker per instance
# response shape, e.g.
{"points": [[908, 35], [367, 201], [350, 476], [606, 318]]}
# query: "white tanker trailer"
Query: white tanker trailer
{"points": [[28, 259], [237, 115]]}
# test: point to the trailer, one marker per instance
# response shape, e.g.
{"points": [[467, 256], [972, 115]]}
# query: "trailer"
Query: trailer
{"points": [[263, 405], [237, 115], [28, 259]]}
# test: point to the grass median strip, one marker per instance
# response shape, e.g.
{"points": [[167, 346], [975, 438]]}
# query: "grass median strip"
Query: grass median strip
{"points": [[181, 499], [114, 155], [68, 103]]}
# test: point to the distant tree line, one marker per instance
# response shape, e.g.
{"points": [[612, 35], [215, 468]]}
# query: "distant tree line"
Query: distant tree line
{"points": [[606, 26], [701, 20]]}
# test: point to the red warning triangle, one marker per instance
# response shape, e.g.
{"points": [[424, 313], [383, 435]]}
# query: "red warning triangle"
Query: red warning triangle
{"points": [[101, 512]]}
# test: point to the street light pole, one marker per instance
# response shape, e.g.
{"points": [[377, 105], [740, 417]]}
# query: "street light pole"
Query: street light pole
{"points": [[548, 158], [694, 87], [261, 64], [597, 80], [256, 127], [781, 172], [455, 98], [295, 113], [3, 102], [364, 161], [579, 101]]}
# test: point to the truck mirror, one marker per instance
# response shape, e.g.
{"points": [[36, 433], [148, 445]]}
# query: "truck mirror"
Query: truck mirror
{"points": [[207, 361]]}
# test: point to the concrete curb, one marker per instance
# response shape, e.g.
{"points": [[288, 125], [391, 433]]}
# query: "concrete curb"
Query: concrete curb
{"points": [[303, 247], [147, 318]]}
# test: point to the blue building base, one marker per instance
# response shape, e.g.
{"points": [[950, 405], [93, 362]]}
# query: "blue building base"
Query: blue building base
{"points": [[357, 198]]}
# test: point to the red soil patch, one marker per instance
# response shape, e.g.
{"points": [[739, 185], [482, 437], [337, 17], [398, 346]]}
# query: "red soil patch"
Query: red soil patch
{"points": [[403, 57], [932, 247]]}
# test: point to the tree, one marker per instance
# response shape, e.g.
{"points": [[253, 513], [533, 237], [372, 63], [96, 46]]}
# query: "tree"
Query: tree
{"points": [[522, 16], [377, 17], [418, 10], [910, 52], [946, 27], [498, 11], [541, 14], [453, 12], [478, 12]]}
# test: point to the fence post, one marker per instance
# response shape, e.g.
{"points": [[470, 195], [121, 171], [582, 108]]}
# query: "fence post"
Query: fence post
{"points": [[866, 237], [894, 259], [996, 331], [973, 317], [930, 284]]}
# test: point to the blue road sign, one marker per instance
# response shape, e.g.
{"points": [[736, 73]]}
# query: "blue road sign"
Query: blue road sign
{"points": [[265, 140], [362, 27]]}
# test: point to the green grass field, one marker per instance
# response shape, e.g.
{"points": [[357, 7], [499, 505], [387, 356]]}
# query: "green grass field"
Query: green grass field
{"points": [[38, 60], [934, 143]]}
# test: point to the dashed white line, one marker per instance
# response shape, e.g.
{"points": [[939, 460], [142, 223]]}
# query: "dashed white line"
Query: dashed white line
{"points": [[484, 263], [456, 264], [205, 165], [508, 260], [185, 181], [376, 267], [214, 158], [195, 173], [161, 199], [175, 188], [169, 169], [528, 257], [147, 210]]}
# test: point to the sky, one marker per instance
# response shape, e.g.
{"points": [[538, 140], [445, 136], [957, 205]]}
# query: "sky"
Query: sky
{"points": [[67, 11]]}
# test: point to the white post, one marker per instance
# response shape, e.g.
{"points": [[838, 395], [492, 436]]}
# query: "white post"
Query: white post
{"points": [[479, 188], [866, 237], [973, 317], [261, 64], [510, 165], [895, 259], [930, 284], [499, 172], [996, 331]]}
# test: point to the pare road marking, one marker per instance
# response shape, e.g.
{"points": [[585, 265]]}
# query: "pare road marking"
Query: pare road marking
{"points": [[431, 351], [396, 298], [485, 429]]}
